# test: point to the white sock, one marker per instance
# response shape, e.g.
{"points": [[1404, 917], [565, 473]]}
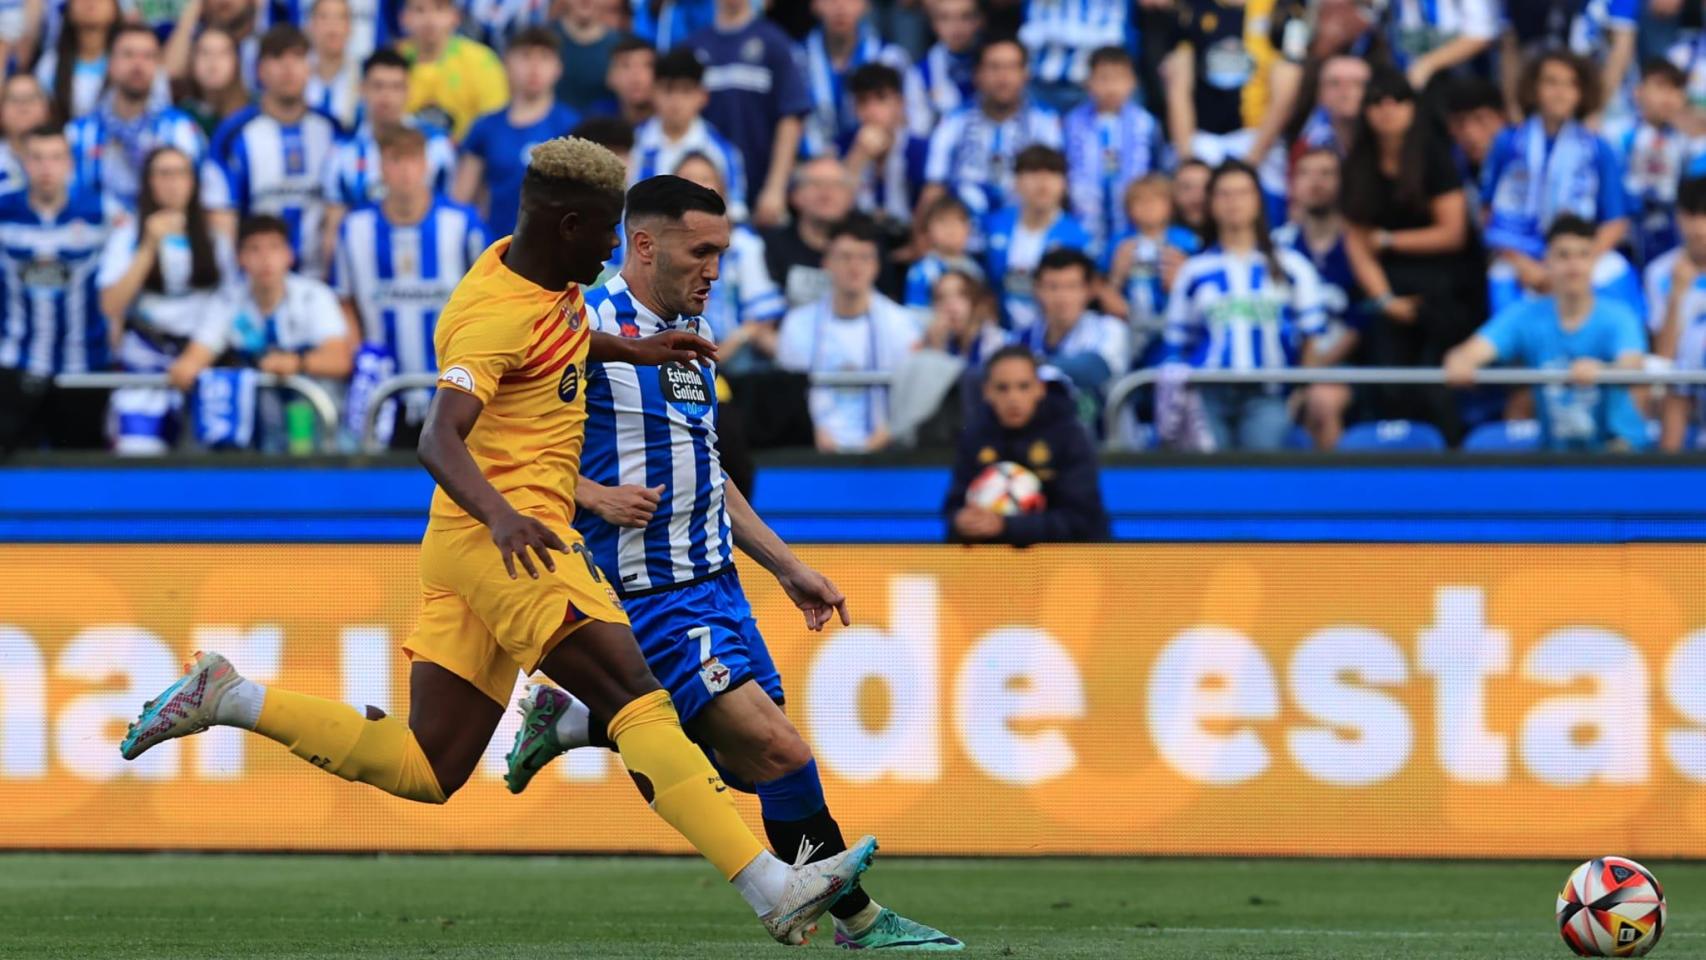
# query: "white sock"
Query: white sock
{"points": [[858, 923], [240, 706], [574, 727], [761, 882]]}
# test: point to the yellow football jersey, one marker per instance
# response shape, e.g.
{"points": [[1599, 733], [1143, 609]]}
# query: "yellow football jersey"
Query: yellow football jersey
{"points": [[520, 349], [466, 83]]}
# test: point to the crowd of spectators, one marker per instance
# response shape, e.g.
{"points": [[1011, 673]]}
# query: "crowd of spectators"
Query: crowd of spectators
{"points": [[211, 189]]}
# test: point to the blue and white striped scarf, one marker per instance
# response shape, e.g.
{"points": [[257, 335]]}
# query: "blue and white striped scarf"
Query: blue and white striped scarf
{"points": [[1541, 183]]}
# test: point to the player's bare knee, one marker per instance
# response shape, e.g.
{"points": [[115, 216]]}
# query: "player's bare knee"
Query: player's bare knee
{"points": [[781, 752]]}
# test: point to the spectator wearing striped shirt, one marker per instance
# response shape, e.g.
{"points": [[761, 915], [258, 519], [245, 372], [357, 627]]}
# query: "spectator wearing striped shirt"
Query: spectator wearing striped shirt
{"points": [[1676, 295], [1242, 304], [1434, 38], [334, 79], [680, 129], [1062, 35], [884, 157], [1111, 141], [397, 264], [947, 236], [842, 43], [110, 143], [972, 150], [352, 173], [942, 78]]}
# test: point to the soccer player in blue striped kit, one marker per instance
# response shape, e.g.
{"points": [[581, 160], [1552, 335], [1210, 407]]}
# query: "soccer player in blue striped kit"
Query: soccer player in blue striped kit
{"points": [[663, 521]]}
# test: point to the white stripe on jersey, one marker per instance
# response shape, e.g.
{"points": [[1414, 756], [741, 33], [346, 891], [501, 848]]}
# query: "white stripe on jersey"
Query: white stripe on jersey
{"points": [[1221, 313], [631, 459], [1061, 35]]}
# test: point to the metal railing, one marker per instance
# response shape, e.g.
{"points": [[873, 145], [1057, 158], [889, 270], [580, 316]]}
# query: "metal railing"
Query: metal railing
{"points": [[391, 386], [1122, 389], [309, 389]]}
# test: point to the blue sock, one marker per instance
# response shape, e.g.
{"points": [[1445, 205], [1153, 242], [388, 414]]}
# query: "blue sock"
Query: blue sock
{"points": [[794, 810], [729, 778]]}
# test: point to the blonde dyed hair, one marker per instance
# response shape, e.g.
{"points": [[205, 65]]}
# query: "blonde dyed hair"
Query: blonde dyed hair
{"points": [[580, 161]]}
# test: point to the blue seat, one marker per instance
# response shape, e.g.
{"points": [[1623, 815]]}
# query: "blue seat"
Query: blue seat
{"points": [[1392, 436], [1298, 438], [1504, 436]]}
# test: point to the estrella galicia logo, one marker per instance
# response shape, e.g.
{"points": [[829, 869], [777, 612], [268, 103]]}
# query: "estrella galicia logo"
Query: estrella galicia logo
{"points": [[686, 389], [570, 384]]}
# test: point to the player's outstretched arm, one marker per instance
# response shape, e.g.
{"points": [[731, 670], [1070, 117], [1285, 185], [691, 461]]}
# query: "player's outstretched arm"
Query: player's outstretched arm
{"points": [[676, 346], [443, 450], [811, 591]]}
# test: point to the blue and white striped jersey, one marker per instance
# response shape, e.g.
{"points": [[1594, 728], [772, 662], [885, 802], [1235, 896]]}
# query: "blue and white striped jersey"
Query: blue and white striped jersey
{"points": [[265, 166], [107, 153], [1228, 311], [744, 291], [652, 426], [400, 277], [352, 173], [941, 84], [654, 154], [50, 317], [832, 115], [339, 97], [1104, 154], [1061, 35], [972, 155], [1416, 28]]}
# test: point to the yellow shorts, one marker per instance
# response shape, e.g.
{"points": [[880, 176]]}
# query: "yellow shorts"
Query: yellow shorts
{"points": [[482, 626]]}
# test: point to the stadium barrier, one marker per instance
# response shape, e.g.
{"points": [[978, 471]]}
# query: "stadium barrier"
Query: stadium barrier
{"points": [[1121, 390], [1406, 700], [311, 390]]}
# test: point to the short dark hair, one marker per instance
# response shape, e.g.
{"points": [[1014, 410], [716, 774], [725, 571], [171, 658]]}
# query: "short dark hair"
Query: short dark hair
{"points": [[671, 197], [611, 133], [1037, 157], [1570, 225], [384, 58], [946, 205], [538, 38], [680, 64], [125, 28], [858, 226], [46, 131], [873, 78], [1067, 258], [1012, 351], [632, 44], [1001, 41], [261, 223], [1587, 82], [1469, 94], [1111, 57], [1691, 196], [1662, 70], [282, 38]]}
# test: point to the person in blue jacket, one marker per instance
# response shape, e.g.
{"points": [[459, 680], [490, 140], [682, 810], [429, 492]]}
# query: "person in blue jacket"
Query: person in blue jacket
{"points": [[1030, 419]]}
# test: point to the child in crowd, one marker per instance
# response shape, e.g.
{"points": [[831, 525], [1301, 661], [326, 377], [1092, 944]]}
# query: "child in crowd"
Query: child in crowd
{"points": [[679, 129], [1110, 142], [1656, 151], [947, 230], [1016, 237], [1145, 261]]}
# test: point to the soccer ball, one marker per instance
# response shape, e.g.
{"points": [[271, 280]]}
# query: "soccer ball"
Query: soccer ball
{"points": [[1006, 488], [1611, 907]]}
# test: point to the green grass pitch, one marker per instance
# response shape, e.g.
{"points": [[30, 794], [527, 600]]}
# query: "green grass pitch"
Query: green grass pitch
{"points": [[172, 907]]}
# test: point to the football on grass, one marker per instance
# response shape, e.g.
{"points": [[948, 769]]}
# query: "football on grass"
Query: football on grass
{"points": [[1006, 488], [1611, 907]]}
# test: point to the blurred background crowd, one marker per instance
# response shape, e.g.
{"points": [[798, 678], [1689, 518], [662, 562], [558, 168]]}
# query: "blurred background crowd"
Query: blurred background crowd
{"points": [[1136, 193]]}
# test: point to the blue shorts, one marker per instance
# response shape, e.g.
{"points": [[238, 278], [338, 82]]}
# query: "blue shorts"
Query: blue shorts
{"points": [[701, 641]]}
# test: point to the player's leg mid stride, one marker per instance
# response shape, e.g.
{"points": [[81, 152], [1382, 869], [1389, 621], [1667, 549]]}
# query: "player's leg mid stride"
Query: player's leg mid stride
{"points": [[514, 338], [683, 595]]}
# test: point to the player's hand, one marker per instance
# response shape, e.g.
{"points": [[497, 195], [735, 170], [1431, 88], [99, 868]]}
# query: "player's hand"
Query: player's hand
{"points": [[678, 346], [629, 505], [516, 534], [816, 597], [976, 523]]}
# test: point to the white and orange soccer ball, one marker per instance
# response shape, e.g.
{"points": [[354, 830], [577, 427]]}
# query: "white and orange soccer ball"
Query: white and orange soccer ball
{"points": [[1006, 488], [1611, 907]]}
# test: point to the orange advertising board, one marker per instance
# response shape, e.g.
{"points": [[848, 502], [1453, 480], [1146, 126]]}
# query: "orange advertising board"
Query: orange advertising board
{"points": [[1180, 699]]}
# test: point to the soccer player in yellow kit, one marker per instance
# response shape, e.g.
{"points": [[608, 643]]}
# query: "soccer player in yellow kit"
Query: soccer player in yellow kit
{"points": [[503, 439]]}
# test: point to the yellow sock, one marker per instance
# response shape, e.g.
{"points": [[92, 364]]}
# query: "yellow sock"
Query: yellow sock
{"points": [[686, 792], [336, 738]]}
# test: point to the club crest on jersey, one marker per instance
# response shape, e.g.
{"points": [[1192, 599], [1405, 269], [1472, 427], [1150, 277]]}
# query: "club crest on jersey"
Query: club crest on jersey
{"points": [[570, 384], [685, 389], [630, 329], [572, 318], [714, 675]]}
